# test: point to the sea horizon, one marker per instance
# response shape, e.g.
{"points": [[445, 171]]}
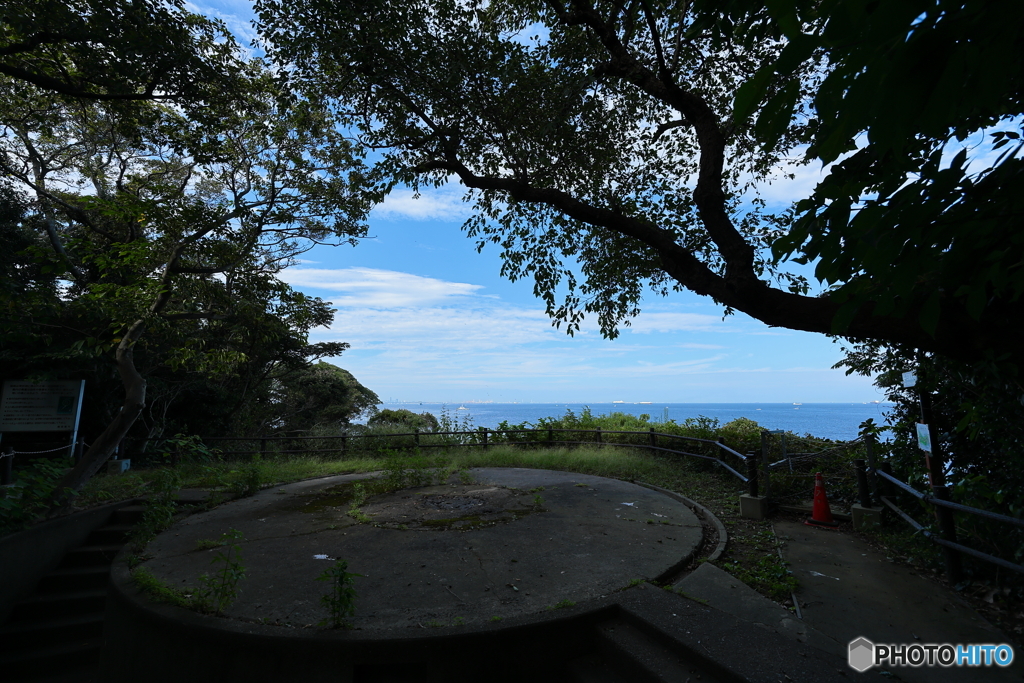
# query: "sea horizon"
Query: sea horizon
{"points": [[832, 420]]}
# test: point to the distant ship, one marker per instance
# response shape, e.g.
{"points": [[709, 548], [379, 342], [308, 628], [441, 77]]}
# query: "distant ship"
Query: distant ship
{"points": [[874, 401], [618, 401], [645, 403], [798, 404], [462, 408]]}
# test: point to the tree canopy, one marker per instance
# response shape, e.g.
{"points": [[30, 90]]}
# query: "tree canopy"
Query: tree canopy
{"points": [[612, 147], [151, 226]]}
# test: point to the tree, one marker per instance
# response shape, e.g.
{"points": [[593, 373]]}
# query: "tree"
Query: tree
{"points": [[118, 50], [156, 221], [322, 394], [403, 418], [609, 146]]}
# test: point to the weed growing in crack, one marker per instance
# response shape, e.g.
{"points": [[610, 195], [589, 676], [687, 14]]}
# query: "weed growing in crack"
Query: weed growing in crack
{"points": [[220, 590], [341, 601]]}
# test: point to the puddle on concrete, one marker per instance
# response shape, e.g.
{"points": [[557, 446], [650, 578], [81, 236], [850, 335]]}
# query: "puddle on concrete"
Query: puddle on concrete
{"points": [[462, 507], [337, 496]]}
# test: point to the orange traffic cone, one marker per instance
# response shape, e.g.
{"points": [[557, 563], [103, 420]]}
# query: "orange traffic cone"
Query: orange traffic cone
{"points": [[822, 514]]}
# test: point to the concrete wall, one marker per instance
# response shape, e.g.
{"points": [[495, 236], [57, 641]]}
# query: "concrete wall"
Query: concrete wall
{"points": [[25, 557], [160, 643]]}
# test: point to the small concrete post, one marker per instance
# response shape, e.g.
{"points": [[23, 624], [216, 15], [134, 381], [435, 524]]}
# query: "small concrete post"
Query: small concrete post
{"points": [[598, 431], [484, 430]]}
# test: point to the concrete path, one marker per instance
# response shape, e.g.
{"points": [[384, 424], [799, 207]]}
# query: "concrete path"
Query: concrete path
{"points": [[850, 590], [439, 555], [466, 553]]}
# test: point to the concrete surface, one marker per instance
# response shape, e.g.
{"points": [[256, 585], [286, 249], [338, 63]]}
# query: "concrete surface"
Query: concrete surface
{"points": [[589, 536], [720, 589], [444, 560], [849, 590]]}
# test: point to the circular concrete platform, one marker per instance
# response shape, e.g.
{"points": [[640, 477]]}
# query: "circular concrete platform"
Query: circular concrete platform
{"points": [[513, 542]]}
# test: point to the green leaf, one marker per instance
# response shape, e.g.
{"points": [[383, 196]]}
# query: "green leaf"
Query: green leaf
{"points": [[929, 316]]}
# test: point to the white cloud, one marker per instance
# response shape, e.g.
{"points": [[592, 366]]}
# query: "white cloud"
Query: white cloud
{"points": [[443, 203], [652, 321], [431, 333], [374, 288]]}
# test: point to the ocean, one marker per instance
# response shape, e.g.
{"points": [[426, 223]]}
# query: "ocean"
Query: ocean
{"points": [[839, 421]]}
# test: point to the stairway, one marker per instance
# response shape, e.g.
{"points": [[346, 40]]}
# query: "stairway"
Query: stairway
{"points": [[633, 651], [55, 634]]}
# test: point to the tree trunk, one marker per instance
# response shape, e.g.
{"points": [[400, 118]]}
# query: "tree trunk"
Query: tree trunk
{"points": [[104, 445]]}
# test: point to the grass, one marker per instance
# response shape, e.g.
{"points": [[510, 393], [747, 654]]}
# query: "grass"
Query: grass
{"points": [[751, 557]]}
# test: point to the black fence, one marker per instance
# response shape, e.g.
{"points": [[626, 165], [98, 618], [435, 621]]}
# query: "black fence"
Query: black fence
{"points": [[374, 443]]}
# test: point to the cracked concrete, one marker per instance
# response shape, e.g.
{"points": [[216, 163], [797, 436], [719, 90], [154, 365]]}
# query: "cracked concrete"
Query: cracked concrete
{"points": [[587, 538]]}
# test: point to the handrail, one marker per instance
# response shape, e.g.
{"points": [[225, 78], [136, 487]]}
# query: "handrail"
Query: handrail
{"points": [[949, 544], [928, 498]]}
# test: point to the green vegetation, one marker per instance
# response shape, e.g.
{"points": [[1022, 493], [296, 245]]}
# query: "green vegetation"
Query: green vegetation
{"points": [[158, 590], [562, 604], [341, 600], [30, 495], [219, 590], [403, 418], [215, 594]]}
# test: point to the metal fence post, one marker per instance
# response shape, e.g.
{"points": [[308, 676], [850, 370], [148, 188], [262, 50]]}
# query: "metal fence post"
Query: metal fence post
{"points": [[6, 462], [484, 430], [764, 464], [263, 448], [416, 438], [869, 446], [551, 436], [947, 526], [885, 488], [598, 431], [863, 493], [654, 439], [752, 474], [344, 443]]}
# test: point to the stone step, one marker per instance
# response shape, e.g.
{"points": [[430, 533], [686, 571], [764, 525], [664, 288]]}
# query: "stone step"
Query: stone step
{"points": [[50, 660], [130, 514], [26, 634], [91, 556], [637, 657], [592, 669], [74, 579], [49, 605], [110, 534]]}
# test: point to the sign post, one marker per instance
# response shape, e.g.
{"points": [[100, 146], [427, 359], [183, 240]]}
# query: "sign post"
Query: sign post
{"points": [[54, 406], [936, 476]]}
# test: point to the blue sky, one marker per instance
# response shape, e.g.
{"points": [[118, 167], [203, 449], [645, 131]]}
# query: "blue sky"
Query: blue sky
{"points": [[430, 319]]}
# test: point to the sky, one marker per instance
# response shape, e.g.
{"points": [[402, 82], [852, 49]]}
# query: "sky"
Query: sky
{"points": [[430, 319]]}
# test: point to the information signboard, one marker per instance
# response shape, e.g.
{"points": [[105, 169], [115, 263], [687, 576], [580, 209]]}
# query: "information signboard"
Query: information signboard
{"points": [[41, 407], [924, 438]]}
